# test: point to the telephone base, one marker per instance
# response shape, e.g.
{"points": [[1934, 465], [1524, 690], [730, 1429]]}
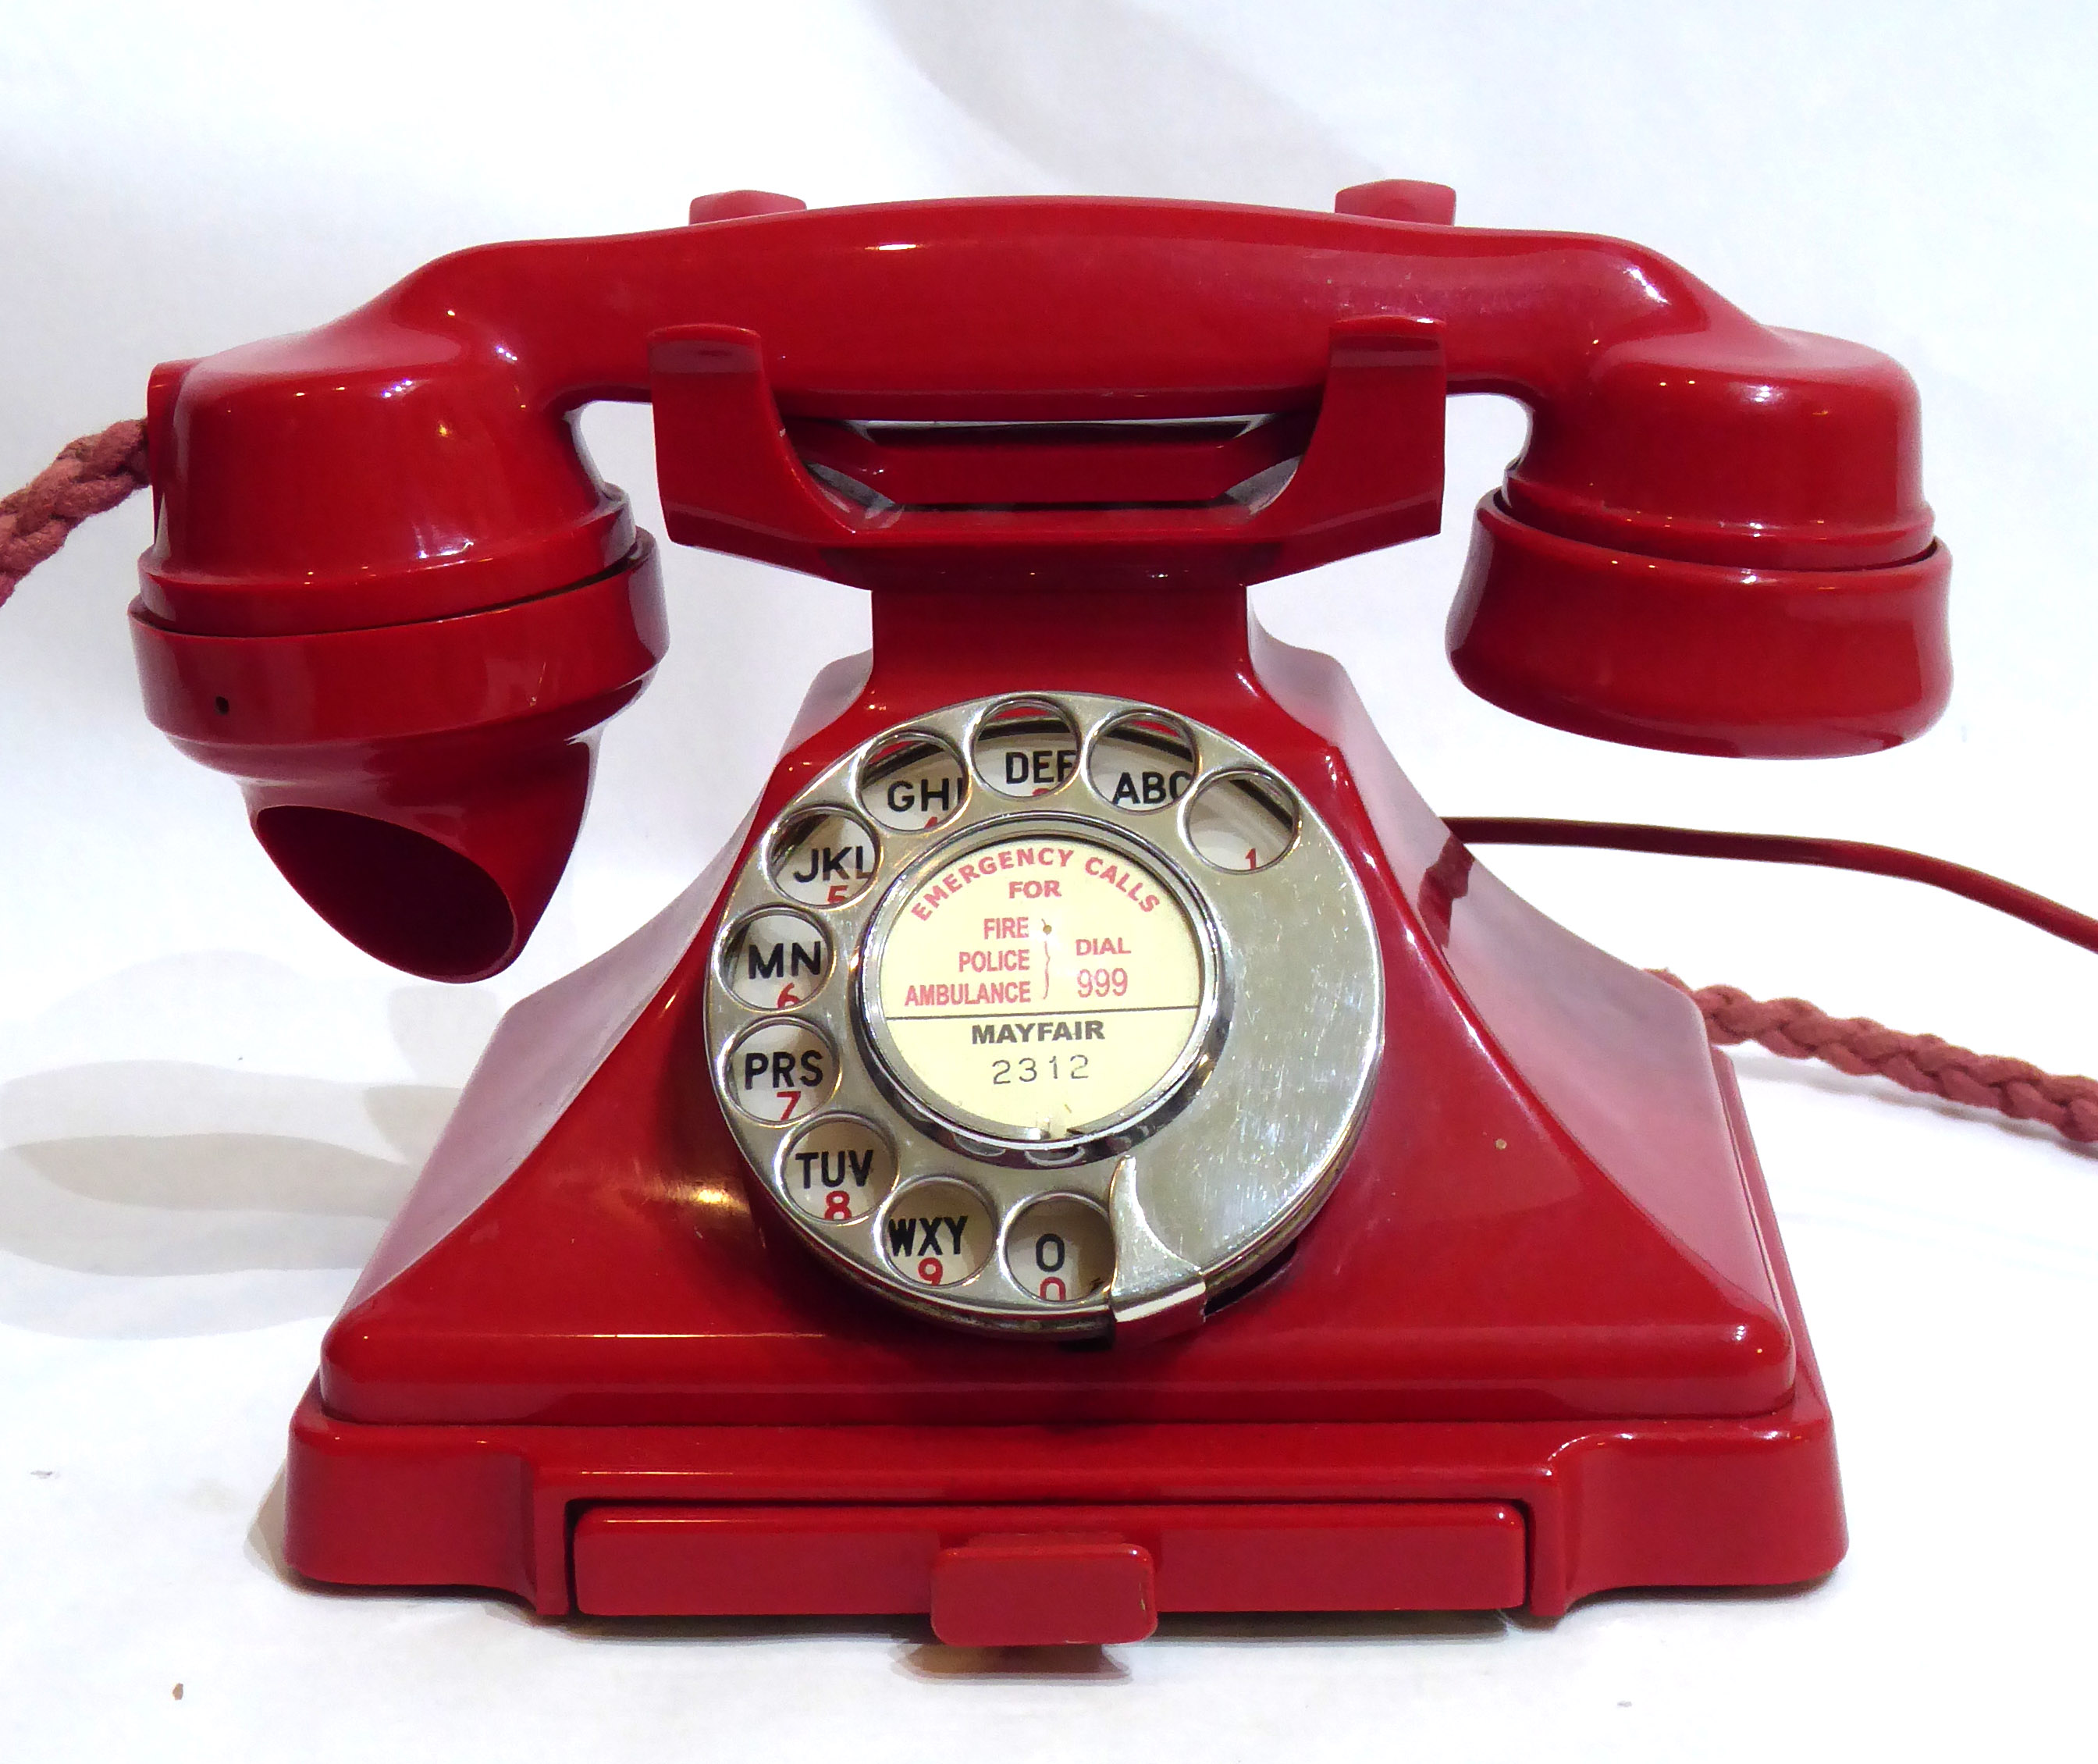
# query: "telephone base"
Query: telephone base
{"points": [[1538, 1342], [1013, 1534]]}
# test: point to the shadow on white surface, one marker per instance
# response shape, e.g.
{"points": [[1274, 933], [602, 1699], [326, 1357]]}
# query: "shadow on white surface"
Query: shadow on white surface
{"points": [[1643, 1597], [1086, 1664], [1284, 1627], [151, 1198], [203, 1203], [265, 1536]]}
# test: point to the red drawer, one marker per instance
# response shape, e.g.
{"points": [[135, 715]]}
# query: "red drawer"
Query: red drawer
{"points": [[997, 1575]]}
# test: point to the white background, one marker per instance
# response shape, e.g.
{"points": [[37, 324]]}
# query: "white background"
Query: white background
{"points": [[209, 1104]]}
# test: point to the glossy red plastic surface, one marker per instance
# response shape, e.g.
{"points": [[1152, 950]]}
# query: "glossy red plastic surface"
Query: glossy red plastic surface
{"points": [[1593, 1276], [416, 460], [1539, 1342], [1550, 1246], [1640, 1503], [1702, 657], [1400, 198], [982, 1573], [420, 784], [1668, 422], [1043, 1590], [1371, 475]]}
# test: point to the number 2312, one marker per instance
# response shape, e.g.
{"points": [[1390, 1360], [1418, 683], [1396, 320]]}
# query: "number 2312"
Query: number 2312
{"points": [[1028, 1071]]}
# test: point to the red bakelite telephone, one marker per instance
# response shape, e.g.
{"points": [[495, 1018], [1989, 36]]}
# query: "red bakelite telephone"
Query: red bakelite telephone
{"points": [[1095, 1146]]}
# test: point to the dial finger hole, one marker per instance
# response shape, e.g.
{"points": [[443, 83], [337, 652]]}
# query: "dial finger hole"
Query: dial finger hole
{"points": [[825, 857], [912, 782], [780, 1071], [937, 1232], [1061, 1249], [775, 960], [1026, 746], [1243, 820], [838, 1169], [1142, 761]]}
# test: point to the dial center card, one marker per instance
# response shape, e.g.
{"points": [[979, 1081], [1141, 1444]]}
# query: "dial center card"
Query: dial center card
{"points": [[1044, 982]]}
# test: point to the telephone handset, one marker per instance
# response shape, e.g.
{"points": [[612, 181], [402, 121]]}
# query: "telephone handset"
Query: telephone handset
{"points": [[1088, 974]]}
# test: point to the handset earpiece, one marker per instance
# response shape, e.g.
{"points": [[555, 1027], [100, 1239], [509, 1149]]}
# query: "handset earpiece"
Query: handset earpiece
{"points": [[419, 779], [1716, 541]]}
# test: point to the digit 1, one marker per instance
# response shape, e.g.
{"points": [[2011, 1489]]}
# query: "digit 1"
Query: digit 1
{"points": [[1252, 858]]}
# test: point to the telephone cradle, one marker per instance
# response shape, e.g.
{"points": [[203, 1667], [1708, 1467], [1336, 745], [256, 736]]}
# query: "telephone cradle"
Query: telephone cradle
{"points": [[1094, 1146]]}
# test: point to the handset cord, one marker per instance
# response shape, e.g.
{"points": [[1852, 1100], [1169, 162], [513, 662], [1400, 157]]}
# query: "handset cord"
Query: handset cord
{"points": [[96, 472], [90, 476]]}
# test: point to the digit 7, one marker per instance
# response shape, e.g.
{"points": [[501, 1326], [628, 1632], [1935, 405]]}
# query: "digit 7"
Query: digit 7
{"points": [[794, 1101]]}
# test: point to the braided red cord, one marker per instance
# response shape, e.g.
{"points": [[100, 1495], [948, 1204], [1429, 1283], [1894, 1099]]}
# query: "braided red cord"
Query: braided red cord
{"points": [[1861, 1047], [90, 475]]}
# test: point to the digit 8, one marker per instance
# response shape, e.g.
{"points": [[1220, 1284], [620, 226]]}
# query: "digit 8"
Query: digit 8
{"points": [[837, 1206]]}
